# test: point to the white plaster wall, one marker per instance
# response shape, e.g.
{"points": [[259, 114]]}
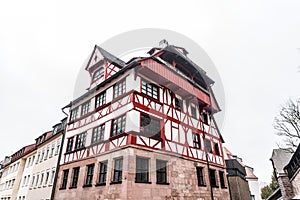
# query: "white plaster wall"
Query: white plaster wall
{"points": [[44, 190], [254, 188], [132, 121], [24, 187]]}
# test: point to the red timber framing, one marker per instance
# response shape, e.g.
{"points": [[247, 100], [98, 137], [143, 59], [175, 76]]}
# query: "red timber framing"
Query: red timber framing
{"points": [[177, 125], [110, 70]]}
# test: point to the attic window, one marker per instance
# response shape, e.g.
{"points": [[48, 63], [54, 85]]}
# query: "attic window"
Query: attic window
{"points": [[99, 73]]}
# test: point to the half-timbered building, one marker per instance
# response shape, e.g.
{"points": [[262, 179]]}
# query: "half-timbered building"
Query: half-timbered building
{"points": [[145, 129]]}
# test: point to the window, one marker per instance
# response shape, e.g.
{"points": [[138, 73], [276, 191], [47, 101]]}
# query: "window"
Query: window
{"points": [[200, 176], [75, 177], [178, 103], [42, 179], [119, 88], [118, 126], [57, 146], [142, 170], [98, 134], [150, 126], [216, 148], [24, 181], [70, 144], [212, 177], [102, 173], [65, 179], [85, 107], [52, 150], [207, 145], [89, 175], [222, 180], [33, 157], [196, 140], [47, 178], [99, 73], [28, 163], [74, 114], [100, 99], [47, 153], [117, 178], [32, 182], [150, 89], [80, 141], [204, 116], [28, 178], [193, 112], [161, 171], [52, 177], [37, 180], [42, 156]]}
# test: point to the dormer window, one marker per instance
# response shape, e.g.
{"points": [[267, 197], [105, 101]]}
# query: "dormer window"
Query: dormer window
{"points": [[98, 74]]}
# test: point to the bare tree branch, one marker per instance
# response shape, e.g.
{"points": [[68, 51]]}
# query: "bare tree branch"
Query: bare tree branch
{"points": [[287, 123]]}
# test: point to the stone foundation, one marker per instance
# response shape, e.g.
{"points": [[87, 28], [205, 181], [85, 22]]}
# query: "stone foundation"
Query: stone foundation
{"points": [[182, 183]]}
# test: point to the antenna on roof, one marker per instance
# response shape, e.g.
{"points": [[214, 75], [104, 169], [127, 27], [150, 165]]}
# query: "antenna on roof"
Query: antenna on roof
{"points": [[163, 43]]}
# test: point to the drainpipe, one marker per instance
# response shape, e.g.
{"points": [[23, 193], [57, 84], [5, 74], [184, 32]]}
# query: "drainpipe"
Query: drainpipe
{"points": [[60, 152]]}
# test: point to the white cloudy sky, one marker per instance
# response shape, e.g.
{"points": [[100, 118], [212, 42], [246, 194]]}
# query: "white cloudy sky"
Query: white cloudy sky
{"points": [[252, 43]]}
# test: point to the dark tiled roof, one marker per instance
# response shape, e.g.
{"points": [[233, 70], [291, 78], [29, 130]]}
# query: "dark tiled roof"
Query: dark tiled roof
{"points": [[111, 58]]}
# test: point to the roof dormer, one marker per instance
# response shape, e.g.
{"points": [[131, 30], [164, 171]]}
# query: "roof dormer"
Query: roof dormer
{"points": [[102, 65]]}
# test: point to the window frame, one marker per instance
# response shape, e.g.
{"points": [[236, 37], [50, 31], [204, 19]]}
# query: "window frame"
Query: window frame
{"points": [[119, 92], [73, 116], [114, 131], [100, 75], [85, 108], [102, 99], [212, 178], [217, 149], [222, 179], [161, 171], [70, 144], [64, 182], [82, 141], [142, 170], [117, 171], [197, 142], [102, 178], [178, 103], [90, 169], [200, 176], [149, 88], [99, 134], [75, 177]]}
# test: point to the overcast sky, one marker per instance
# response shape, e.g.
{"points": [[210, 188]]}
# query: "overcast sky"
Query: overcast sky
{"points": [[253, 44]]}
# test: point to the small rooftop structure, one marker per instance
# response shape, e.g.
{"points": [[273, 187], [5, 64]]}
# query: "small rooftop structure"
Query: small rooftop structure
{"points": [[280, 158]]}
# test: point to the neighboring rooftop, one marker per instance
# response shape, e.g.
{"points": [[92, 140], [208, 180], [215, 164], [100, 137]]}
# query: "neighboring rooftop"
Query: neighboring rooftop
{"points": [[280, 158]]}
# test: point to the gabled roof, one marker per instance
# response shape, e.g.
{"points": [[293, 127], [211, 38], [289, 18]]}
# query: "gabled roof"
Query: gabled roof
{"points": [[250, 174], [108, 56]]}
